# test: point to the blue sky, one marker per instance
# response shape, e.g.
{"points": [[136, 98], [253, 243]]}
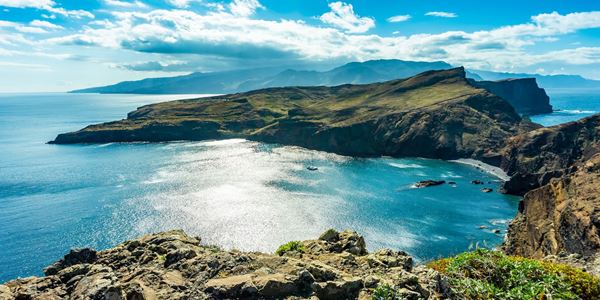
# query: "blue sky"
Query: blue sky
{"points": [[58, 45]]}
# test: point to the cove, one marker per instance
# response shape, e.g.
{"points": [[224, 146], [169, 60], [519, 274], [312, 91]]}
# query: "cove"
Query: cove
{"points": [[233, 193]]}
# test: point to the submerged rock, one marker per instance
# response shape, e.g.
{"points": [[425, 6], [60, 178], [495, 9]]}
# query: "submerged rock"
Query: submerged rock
{"points": [[173, 265], [428, 183], [487, 190]]}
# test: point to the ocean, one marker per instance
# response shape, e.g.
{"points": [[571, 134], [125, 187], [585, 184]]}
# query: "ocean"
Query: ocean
{"points": [[232, 193]]}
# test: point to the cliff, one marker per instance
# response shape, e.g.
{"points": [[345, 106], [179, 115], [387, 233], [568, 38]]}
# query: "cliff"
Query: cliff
{"points": [[173, 265], [523, 94], [533, 158], [562, 216], [558, 170], [436, 114]]}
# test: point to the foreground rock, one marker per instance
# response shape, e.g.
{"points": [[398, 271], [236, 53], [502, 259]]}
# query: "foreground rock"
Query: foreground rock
{"points": [[172, 265], [561, 217]]}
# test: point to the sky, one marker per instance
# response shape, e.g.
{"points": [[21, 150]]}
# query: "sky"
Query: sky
{"points": [[60, 45]]}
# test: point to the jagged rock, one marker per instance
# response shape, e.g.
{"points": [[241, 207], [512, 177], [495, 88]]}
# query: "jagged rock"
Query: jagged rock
{"points": [[331, 235], [559, 217], [336, 266], [75, 256], [347, 289]]}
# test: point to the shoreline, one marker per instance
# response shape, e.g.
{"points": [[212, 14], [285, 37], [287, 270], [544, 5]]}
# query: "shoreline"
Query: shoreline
{"points": [[487, 168]]}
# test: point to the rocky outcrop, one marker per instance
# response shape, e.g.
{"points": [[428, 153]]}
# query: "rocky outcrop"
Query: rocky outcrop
{"points": [[522, 93], [561, 217], [173, 265], [535, 157]]}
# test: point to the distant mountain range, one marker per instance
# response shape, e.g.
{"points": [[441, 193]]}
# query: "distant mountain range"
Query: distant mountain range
{"points": [[235, 81]]}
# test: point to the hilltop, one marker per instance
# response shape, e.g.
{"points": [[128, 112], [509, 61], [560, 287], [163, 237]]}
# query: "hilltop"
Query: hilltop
{"points": [[437, 114]]}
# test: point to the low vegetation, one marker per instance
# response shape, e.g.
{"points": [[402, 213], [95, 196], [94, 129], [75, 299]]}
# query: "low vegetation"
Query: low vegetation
{"points": [[289, 247], [487, 274]]}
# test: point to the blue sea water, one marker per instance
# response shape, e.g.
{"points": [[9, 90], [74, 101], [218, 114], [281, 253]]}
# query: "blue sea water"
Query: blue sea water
{"points": [[233, 193], [570, 105]]}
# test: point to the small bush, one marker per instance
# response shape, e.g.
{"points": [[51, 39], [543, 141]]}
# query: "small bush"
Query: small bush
{"points": [[290, 246], [486, 274], [384, 292]]}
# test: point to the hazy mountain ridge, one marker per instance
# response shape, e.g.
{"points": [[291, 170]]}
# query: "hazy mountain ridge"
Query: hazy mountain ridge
{"points": [[372, 71], [252, 79]]}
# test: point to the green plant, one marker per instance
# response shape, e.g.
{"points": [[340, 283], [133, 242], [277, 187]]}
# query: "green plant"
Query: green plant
{"points": [[486, 274], [384, 292], [290, 246]]}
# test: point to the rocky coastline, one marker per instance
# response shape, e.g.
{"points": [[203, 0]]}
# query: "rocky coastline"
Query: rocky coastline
{"points": [[173, 265], [436, 114]]}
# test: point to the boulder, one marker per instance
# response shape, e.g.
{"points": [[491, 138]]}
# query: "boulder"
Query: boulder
{"points": [[74, 257]]}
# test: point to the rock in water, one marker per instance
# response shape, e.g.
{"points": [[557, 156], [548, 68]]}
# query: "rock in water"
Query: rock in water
{"points": [[173, 265], [428, 183], [487, 190]]}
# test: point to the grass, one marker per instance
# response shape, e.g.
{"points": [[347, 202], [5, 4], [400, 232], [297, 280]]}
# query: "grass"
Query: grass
{"points": [[334, 107], [487, 274], [289, 247]]}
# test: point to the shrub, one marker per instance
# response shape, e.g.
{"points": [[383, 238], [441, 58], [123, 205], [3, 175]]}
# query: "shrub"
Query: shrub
{"points": [[384, 292], [290, 246], [486, 274]]}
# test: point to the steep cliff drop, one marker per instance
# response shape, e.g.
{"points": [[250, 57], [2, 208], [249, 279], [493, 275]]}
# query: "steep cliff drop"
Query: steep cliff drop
{"points": [[523, 94]]}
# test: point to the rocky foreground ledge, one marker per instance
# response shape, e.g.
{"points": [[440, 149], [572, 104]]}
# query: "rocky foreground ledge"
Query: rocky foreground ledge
{"points": [[173, 265]]}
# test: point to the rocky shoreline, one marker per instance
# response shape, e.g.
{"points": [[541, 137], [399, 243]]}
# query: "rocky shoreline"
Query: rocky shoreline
{"points": [[173, 265]]}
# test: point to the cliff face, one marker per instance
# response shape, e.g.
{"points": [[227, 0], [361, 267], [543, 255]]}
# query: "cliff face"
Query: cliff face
{"points": [[436, 114], [522, 93], [561, 216], [558, 170], [172, 265], [533, 158]]}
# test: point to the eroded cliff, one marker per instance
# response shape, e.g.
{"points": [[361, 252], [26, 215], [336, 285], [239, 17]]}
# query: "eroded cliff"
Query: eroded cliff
{"points": [[561, 217]]}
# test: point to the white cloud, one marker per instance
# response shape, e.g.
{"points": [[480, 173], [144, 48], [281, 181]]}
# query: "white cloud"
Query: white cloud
{"points": [[441, 14], [179, 3], [41, 4], [125, 4], [244, 8], [177, 34], [45, 24], [48, 5], [342, 16], [21, 28], [398, 18]]}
